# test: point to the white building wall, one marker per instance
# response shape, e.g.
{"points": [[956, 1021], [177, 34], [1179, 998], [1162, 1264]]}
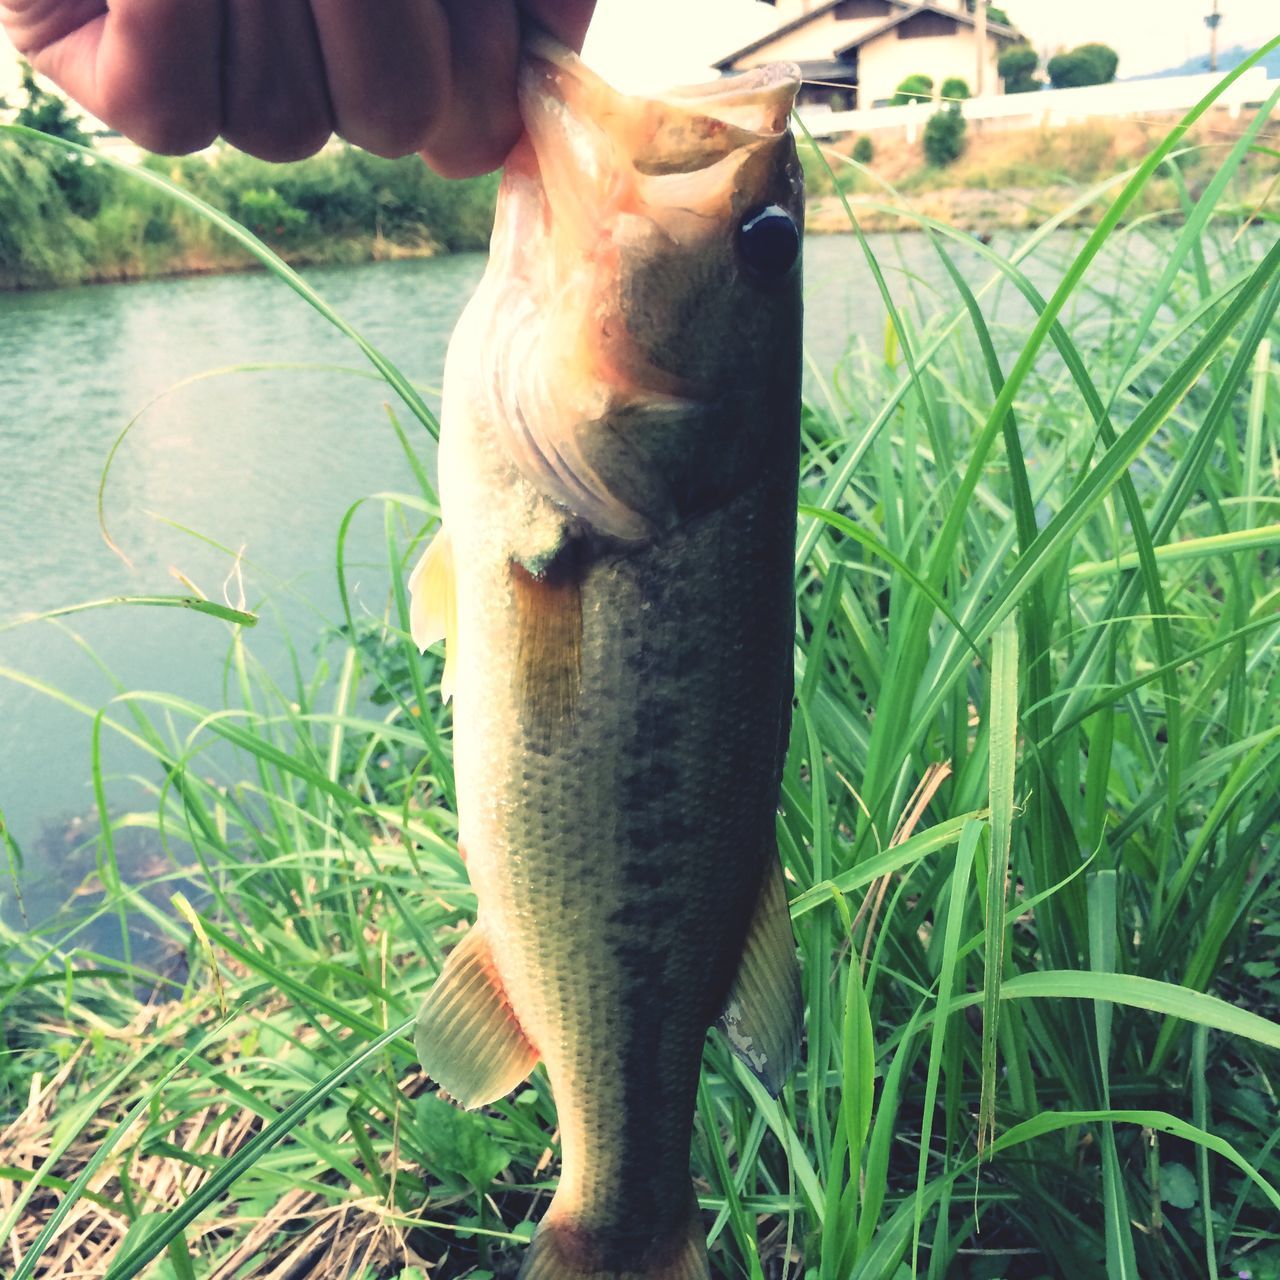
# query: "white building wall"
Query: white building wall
{"points": [[884, 63], [1050, 108]]}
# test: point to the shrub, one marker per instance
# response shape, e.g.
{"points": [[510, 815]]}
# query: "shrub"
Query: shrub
{"points": [[1089, 64], [944, 137], [1017, 67], [1104, 58], [915, 88], [337, 206], [79, 181], [863, 151], [268, 213], [42, 241], [955, 90]]}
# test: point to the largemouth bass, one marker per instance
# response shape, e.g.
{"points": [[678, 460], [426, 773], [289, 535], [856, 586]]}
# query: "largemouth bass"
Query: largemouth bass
{"points": [[613, 579]]}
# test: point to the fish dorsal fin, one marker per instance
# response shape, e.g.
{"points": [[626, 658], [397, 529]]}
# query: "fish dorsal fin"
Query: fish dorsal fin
{"points": [[468, 1039], [433, 605], [764, 1014]]}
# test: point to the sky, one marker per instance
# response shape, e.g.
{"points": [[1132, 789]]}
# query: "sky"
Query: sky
{"points": [[649, 43]]}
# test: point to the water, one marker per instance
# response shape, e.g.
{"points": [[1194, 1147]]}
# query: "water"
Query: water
{"points": [[263, 461]]}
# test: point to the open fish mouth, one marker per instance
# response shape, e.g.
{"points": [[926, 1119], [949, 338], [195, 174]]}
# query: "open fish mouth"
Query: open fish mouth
{"points": [[618, 302], [600, 152], [680, 131]]}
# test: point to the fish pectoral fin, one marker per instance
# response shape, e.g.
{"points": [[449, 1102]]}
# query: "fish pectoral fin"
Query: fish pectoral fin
{"points": [[548, 646], [763, 1017], [433, 605], [468, 1037]]}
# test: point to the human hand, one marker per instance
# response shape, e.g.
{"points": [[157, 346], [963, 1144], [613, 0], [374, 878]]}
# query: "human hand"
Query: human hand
{"points": [[276, 77]]}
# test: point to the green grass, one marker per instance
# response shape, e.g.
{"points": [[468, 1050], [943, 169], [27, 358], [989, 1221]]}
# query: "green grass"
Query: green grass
{"points": [[1031, 817]]}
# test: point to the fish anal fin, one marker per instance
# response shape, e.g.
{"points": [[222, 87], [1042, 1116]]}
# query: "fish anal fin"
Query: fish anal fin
{"points": [[763, 1017], [433, 604], [468, 1038], [548, 667], [563, 1250]]}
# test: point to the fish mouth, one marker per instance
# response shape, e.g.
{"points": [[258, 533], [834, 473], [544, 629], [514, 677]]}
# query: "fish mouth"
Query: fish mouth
{"points": [[680, 130], [601, 172], [615, 234], [599, 152]]}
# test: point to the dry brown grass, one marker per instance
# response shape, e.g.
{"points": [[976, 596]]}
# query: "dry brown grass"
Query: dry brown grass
{"points": [[1017, 178], [306, 1233]]}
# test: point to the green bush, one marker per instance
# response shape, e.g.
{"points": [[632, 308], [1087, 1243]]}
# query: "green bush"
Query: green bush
{"points": [[42, 240], [915, 88], [1086, 65], [955, 90], [268, 213], [76, 176], [340, 206], [944, 137], [1017, 67], [863, 151]]}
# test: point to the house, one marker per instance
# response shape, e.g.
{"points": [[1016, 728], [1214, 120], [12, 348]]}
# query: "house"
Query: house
{"points": [[857, 52]]}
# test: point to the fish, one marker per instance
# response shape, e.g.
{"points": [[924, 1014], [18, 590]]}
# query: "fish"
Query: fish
{"points": [[613, 581]]}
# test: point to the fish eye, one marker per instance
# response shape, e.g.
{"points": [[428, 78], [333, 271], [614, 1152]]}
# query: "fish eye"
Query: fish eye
{"points": [[769, 242]]}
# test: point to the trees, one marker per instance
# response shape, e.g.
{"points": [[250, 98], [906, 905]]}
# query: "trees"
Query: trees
{"points": [[915, 88], [80, 184], [955, 90], [863, 150], [48, 112], [1017, 68], [1085, 65], [993, 14]]}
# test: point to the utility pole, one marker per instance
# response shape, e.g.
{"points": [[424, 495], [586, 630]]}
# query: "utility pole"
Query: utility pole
{"points": [[980, 33], [1212, 22]]}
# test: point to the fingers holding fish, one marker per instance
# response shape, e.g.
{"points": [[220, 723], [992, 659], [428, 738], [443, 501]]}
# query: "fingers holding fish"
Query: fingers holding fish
{"points": [[567, 20], [479, 123], [149, 68], [388, 70], [277, 77], [275, 102]]}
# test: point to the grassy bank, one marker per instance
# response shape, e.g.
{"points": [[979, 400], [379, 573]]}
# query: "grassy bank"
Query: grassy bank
{"points": [[1020, 178], [1029, 818], [67, 221]]}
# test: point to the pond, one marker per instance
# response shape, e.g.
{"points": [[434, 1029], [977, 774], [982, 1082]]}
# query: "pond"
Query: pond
{"points": [[235, 459]]}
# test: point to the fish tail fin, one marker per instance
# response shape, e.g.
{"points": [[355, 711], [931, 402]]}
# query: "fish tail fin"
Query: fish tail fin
{"points": [[562, 1250]]}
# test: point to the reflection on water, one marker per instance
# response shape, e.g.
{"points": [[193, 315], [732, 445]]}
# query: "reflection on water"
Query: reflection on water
{"points": [[263, 462]]}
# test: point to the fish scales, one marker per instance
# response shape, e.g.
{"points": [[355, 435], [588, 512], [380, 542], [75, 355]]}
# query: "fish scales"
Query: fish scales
{"points": [[621, 623]]}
